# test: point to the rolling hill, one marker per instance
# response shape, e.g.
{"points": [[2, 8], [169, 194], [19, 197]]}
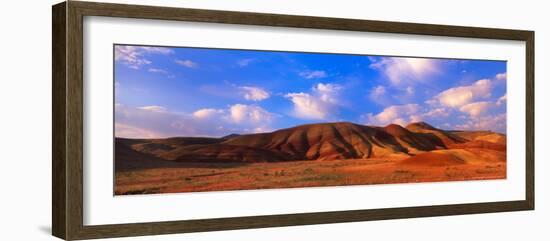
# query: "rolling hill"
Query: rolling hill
{"points": [[325, 141]]}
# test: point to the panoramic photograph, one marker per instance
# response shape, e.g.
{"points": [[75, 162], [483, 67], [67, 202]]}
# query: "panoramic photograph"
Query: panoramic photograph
{"points": [[190, 119]]}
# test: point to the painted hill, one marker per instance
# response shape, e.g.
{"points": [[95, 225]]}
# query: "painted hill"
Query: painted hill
{"points": [[448, 138], [325, 141]]}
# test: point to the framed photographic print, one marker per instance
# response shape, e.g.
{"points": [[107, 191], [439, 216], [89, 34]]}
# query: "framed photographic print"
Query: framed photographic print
{"points": [[165, 117]]}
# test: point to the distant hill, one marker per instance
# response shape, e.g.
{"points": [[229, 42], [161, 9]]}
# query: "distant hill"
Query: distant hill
{"points": [[448, 138], [230, 136], [325, 141]]}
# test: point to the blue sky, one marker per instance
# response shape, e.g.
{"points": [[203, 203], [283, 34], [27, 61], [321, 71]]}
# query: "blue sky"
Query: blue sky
{"points": [[163, 92]]}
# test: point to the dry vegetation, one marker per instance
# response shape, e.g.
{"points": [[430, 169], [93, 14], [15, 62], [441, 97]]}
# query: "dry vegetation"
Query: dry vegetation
{"points": [[215, 177]]}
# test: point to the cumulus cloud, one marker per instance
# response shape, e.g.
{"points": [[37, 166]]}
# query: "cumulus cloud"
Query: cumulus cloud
{"points": [[476, 109], [380, 95], [134, 56], [240, 113], [315, 74], [437, 113], [187, 63], [490, 122], [320, 104], [396, 114], [401, 70], [473, 100], [328, 92], [207, 113], [377, 92], [501, 100], [159, 122], [501, 76], [431, 102], [462, 95], [254, 93], [405, 114], [307, 106]]}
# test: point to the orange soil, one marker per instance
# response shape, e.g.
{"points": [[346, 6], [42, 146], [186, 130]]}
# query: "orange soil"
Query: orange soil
{"points": [[437, 166], [433, 159]]}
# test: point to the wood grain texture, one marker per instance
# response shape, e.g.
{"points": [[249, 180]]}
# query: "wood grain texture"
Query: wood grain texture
{"points": [[264, 19], [59, 193], [67, 59], [74, 152], [122, 230], [530, 120]]}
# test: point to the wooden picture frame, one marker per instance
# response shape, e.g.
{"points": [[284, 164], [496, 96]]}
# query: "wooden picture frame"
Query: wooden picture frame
{"points": [[67, 152]]}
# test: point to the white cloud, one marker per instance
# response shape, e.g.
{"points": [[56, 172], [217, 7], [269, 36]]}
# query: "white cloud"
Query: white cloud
{"points": [[320, 104], [491, 122], [240, 113], [459, 96], [409, 90], [143, 122], [501, 100], [128, 131], [187, 63], [413, 118], [316, 74], [328, 92], [307, 106], [501, 76], [262, 130], [397, 114], [431, 102], [157, 50], [207, 113], [437, 113], [377, 92], [404, 114], [472, 100], [401, 70], [254, 93], [245, 62], [159, 122], [134, 56], [155, 108], [159, 71], [476, 109]]}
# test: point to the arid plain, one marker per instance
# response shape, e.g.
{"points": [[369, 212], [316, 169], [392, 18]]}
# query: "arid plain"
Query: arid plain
{"points": [[327, 154]]}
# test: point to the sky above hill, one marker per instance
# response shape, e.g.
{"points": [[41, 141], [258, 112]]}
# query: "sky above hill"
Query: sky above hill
{"points": [[164, 92]]}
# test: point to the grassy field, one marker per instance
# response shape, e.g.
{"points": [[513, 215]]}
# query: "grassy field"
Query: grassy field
{"points": [[198, 177]]}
